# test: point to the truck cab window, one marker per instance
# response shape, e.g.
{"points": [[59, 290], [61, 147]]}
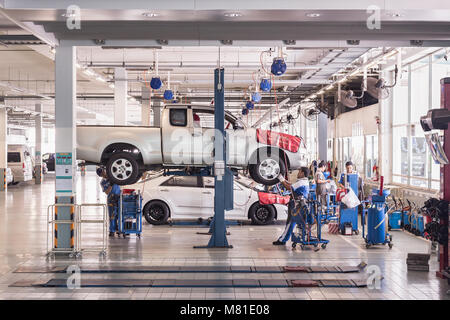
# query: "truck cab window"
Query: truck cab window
{"points": [[178, 117]]}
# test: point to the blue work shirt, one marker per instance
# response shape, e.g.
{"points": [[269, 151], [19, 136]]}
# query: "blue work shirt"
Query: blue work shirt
{"points": [[301, 187], [115, 190]]}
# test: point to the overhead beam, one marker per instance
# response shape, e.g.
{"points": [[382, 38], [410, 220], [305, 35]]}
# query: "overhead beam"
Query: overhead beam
{"points": [[312, 43], [36, 30], [225, 5]]}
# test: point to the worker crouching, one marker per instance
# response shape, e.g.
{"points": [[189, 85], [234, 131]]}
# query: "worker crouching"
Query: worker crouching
{"points": [[113, 195]]}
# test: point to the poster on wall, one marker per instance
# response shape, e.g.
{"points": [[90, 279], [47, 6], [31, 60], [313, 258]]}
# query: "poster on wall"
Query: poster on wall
{"points": [[404, 156], [419, 157]]}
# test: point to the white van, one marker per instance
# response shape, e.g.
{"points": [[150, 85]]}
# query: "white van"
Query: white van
{"points": [[19, 161]]}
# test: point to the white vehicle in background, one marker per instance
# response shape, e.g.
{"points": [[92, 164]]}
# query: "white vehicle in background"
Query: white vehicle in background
{"points": [[9, 176], [20, 162], [192, 197]]}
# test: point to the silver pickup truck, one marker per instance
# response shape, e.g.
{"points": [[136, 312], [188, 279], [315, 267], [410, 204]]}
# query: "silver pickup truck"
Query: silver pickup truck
{"points": [[186, 140]]}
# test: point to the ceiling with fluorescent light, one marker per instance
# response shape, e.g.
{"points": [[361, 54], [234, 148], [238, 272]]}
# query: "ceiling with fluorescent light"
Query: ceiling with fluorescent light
{"points": [[313, 36]]}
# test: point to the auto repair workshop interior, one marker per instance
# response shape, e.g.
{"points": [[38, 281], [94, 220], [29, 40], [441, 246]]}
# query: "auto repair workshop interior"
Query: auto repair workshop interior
{"points": [[224, 150]]}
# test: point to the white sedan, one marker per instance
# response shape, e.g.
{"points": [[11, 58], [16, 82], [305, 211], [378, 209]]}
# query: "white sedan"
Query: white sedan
{"points": [[173, 197]]}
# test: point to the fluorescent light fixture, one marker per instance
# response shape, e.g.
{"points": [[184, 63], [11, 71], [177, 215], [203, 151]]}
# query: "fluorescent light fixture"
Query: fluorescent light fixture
{"points": [[69, 14], [395, 14], [232, 14], [150, 14], [111, 85], [313, 15], [100, 78]]}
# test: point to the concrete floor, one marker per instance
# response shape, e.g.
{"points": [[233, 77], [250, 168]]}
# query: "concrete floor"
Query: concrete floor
{"points": [[23, 243]]}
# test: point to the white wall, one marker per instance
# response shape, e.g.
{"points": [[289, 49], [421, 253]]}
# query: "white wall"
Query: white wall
{"points": [[364, 118]]}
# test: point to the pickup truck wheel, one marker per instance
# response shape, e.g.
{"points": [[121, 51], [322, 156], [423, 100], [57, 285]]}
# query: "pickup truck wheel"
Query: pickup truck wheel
{"points": [[267, 170], [122, 169], [261, 214], [156, 212]]}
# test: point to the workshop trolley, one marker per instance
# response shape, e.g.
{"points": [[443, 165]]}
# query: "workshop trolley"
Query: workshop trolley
{"points": [[130, 213], [305, 214]]}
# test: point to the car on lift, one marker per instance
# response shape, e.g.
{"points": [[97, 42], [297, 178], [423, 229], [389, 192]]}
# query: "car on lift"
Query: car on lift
{"points": [[185, 139], [192, 197]]}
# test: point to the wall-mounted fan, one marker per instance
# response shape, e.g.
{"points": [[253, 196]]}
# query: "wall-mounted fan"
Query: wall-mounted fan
{"points": [[378, 88], [310, 113], [348, 99], [322, 106]]}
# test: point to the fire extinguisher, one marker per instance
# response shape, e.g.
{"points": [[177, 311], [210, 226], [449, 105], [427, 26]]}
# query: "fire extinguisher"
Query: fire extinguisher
{"points": [[376, 173]]}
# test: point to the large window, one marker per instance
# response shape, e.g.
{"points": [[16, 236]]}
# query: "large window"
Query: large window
{"points": [[416, 93]]}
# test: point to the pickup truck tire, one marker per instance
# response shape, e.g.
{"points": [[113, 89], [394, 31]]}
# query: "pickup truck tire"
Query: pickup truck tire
{"points": [[156, 212], [261, 214], [266, 170], [122, 169]]}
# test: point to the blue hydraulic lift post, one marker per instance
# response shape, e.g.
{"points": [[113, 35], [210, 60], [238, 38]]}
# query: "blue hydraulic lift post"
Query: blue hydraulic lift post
{"points": [[223, 185]]}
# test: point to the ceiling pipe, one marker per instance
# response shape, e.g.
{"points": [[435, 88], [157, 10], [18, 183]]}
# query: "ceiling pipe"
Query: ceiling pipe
{"points": [[261, 119]]}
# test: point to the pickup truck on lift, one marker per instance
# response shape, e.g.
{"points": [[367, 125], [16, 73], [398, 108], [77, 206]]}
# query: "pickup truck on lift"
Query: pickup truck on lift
{"points": [[185, 140]]}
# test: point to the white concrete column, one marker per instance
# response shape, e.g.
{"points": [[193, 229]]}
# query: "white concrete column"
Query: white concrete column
{"points": [[322, 135], [120, 96], [385, 133], [145, 106], [3, 146], [38, 147], [65, 144], [157, 113]]}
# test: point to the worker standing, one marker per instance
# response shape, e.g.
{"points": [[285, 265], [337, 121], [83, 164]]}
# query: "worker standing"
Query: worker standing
{"points": [[113, 193], [321, 184], [349, 169], [299, 188]]}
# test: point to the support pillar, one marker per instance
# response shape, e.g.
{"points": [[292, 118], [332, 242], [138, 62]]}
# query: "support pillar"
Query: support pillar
{"points": [[120, 96], [38, 147], [145, 106], [157, 113], [3, 147], [322, 136], [223, 180], [65, 145], [385, 134]]}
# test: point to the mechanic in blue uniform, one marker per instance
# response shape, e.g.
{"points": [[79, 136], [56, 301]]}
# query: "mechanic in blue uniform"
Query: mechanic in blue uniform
{"points": [[113, 194], [299, 188], [349, 170]]}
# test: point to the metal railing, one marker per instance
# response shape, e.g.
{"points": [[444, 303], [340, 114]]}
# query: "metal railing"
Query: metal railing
{"points": [[76, 249], [104, 221]]}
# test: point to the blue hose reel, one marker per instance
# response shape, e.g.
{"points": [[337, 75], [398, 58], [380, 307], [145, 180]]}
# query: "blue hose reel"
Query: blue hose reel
{"points": [[278, 67], [256, 97], [156, 83], [265, 85], [249, 105], [168, 95]]}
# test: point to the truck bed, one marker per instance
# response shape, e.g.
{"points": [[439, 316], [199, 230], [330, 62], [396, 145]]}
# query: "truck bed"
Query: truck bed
{"points": [[92, 140]]}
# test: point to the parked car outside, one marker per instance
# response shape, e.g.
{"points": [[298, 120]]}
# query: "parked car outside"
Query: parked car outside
{"points": [[20, 162]]}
